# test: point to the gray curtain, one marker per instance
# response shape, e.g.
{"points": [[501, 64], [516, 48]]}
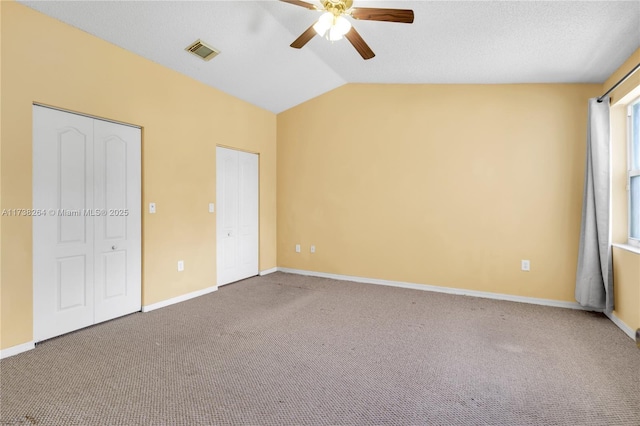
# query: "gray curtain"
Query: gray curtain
{"points": [[594, 278]]}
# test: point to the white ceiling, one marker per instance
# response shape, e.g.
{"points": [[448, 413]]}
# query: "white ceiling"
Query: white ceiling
{"points": [[449, 42]]}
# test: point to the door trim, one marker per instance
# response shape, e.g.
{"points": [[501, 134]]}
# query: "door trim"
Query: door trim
{"points": [[241, 150], [95, 117]]}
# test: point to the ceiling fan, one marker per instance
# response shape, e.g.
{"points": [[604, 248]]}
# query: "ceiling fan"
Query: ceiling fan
{"points": [[333, 25]]}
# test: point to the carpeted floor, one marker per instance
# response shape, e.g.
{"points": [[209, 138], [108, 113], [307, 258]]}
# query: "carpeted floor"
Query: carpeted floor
{"points": [[286, 349]]}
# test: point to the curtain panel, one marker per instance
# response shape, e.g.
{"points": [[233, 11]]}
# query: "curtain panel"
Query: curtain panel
{"points": [[594, 277]]}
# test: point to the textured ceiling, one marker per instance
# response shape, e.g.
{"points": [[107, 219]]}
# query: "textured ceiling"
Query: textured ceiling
{"points": [[449, 42]]}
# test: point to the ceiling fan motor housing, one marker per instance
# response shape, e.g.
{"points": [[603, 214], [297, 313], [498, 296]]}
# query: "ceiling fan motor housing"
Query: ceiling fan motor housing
{"points": [[337, 7]]}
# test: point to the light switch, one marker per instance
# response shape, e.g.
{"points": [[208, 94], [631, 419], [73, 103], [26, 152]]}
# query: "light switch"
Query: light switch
{"points": [[212, 208], [152, 207]]}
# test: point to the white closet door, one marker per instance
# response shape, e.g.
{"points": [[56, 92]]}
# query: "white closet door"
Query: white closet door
{"points": [[227, 218], [87, 248], [63, 260], [117, 231], [248, 215], [237, 218]]}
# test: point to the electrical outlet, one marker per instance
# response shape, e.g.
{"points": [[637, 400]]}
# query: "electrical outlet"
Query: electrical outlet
{"points": [[313, 249], [525, 265], [180, 265], [297, 248], [212, 208]]}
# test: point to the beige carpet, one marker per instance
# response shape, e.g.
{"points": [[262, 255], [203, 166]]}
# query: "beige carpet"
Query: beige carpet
{"points": [[285, 349]]}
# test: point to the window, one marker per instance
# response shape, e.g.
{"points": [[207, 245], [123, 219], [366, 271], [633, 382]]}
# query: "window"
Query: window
{"points": [[633, 183]]}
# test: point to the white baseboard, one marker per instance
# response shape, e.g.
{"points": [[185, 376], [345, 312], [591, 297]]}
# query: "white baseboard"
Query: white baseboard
{"points": [[268, 271], [178, 299], [438, 289], [18, 349], [621, 325]]}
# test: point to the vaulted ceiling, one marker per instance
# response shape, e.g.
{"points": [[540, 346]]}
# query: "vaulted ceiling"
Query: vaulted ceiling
{"points": [[449, 42]]}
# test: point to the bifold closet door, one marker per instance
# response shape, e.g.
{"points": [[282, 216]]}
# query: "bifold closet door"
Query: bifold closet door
{"points": [[86, 224], [237, 218], [63, 258], [117, 241]]}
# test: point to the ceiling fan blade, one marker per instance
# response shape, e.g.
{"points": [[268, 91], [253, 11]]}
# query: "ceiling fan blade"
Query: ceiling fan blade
{"points": [[301, 3], [363, 48], [304, 38], [376, 14]]}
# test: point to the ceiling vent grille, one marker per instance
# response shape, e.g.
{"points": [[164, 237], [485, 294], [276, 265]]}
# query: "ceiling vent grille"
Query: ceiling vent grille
{"points": [[202, 50]]}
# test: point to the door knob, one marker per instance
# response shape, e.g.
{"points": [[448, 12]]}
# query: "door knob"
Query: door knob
{"points": [[228, 234], [113, 247]]}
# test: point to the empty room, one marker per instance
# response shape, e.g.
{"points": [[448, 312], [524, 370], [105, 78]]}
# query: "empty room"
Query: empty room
{"points": [[320, 212]]}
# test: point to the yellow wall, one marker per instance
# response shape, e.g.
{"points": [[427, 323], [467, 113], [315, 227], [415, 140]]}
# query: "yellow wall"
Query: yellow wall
{"points": [[448, 185], [46, 61], [626, 273]]}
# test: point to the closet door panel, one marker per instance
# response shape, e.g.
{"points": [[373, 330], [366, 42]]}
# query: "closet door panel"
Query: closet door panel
{"points": [[118, 218], [63, 261], [247, 215]]}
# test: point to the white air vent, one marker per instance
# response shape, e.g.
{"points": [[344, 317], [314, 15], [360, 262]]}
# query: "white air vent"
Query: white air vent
{"points": [[202, 50]]}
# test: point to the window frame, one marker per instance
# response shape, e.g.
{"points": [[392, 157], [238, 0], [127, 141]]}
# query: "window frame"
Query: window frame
{"points": [[630, 171]]}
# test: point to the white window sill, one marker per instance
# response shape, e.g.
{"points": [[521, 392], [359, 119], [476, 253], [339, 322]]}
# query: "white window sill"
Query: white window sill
{"points": [[627, 247]]}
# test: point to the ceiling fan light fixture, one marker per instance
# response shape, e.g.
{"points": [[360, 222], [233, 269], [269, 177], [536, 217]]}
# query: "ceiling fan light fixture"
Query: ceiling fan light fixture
{"points": [[342, 25], [331, 26], [335, 34], [325, 22]]}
